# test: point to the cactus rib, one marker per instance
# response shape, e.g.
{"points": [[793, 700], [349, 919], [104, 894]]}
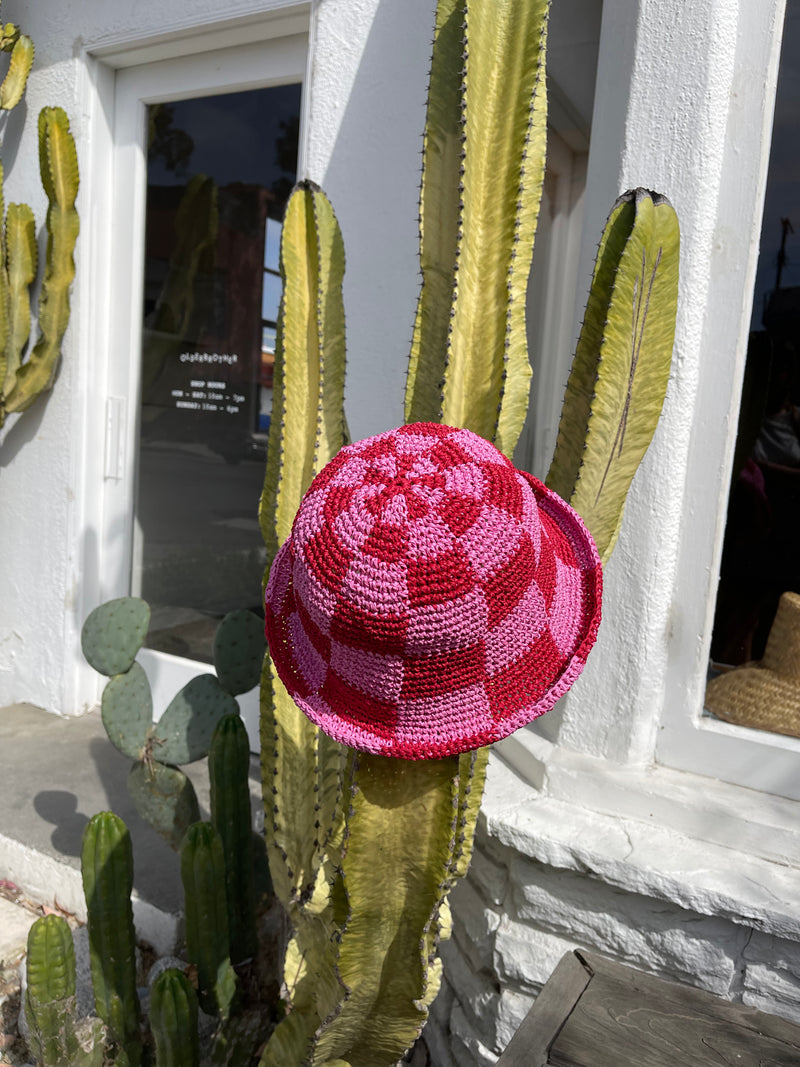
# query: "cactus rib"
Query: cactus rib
{"points": [[621, 368]]}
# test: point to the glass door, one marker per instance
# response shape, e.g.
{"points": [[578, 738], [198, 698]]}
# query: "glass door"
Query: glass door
{"points": [[215, 170]]}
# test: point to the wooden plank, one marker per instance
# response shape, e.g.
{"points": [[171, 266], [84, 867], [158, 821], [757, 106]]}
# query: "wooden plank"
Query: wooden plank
{"points": [[530, 1045], [628, 1019]]}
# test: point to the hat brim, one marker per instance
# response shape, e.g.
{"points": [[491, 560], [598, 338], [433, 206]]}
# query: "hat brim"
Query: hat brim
{"points": [[466, 717]]}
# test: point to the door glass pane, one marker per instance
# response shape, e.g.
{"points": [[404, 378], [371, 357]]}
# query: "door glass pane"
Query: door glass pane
{"points": [[219, 171]]}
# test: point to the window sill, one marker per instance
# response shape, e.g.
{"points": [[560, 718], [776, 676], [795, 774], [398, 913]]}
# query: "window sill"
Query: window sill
{"points": [[705, 845]]}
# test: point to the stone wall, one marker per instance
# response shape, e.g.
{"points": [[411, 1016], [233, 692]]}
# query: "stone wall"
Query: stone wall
{"points": [[514, 918]]}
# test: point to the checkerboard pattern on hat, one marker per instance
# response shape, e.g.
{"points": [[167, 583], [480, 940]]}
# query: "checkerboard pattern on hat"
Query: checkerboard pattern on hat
{"points": [[431, 598]]}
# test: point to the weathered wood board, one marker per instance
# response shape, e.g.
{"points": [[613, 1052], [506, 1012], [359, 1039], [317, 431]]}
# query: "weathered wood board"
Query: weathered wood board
{"points": [[595, 1013]]}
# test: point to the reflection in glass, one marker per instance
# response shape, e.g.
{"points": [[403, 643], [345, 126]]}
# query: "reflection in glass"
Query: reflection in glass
{"points": [[760, 559], [219, 171]]}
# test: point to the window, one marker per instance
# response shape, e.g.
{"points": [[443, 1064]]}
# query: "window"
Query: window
{"points": [[690, 737], [760, 563]]}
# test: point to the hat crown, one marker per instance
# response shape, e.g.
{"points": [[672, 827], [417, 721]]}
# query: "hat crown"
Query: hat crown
{"points": [[782, 652], [407, 521]]}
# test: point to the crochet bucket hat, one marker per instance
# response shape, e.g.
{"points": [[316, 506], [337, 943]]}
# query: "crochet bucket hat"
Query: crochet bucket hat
{"points": [[765, 695], [430, 598]]}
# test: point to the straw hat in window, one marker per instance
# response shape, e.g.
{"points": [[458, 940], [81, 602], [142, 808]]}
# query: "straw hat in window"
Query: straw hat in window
{"points": [[765, 695]]}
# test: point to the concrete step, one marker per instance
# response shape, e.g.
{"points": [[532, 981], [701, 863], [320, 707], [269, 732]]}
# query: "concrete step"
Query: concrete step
{"points": [[57, 772]]}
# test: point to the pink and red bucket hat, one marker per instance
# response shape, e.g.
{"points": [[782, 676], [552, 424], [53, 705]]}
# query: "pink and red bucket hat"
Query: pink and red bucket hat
{"points": [[431, 598]]}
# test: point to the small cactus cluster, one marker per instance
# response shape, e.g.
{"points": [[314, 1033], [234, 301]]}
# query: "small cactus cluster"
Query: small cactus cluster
{"points": [[215, 863], [111, 637], [23, 379]]}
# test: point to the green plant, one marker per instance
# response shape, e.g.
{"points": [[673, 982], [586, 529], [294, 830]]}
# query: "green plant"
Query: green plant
{"points": [[57, 1039], [228, 771], [23, 379], [364, 849], [111, 638], [621, 368], [207, 943], [209, 875], [107, 868], [173, 1020]]}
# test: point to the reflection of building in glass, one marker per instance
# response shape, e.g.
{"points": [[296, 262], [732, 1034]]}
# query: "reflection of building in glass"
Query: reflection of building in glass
{"points": [[211, 296]]}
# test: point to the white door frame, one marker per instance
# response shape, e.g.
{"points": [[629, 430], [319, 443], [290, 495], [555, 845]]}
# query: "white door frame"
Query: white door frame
{"points": [[257, 64]]}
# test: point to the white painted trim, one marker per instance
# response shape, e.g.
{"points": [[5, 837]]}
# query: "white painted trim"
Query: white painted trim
{"points": [[81, 684], [688, 739], [640, 854], [259, 20]]}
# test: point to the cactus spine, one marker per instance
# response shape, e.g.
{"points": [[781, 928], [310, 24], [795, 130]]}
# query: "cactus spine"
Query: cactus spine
{"points": [[173, 1020], [203, 876], [107, 869], [23, 380]]}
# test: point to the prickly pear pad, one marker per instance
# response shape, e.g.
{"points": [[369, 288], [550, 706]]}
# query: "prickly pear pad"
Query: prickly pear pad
{"points": [[431, 598]]}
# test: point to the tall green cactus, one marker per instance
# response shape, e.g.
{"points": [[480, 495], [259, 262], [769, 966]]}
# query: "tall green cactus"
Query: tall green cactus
{"points": [[173, 1020], [23, 379], [107, 869], [365, 887], [483, 168], [228, 772], [207, 943], [56, 1037], [301, 767]]}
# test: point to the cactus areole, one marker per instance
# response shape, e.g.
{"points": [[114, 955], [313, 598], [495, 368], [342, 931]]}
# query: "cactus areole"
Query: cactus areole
{"points": [[431, 598]]}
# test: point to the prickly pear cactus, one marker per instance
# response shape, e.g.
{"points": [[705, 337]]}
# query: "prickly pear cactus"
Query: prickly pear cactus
{"points": [[113, 634], [239, 648], [165, 798], [24, 376], [127, 711], [111, 638], [183, 733]]}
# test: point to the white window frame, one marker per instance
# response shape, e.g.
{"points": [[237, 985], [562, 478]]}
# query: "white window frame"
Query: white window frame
{"points": [[691, 740]]}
